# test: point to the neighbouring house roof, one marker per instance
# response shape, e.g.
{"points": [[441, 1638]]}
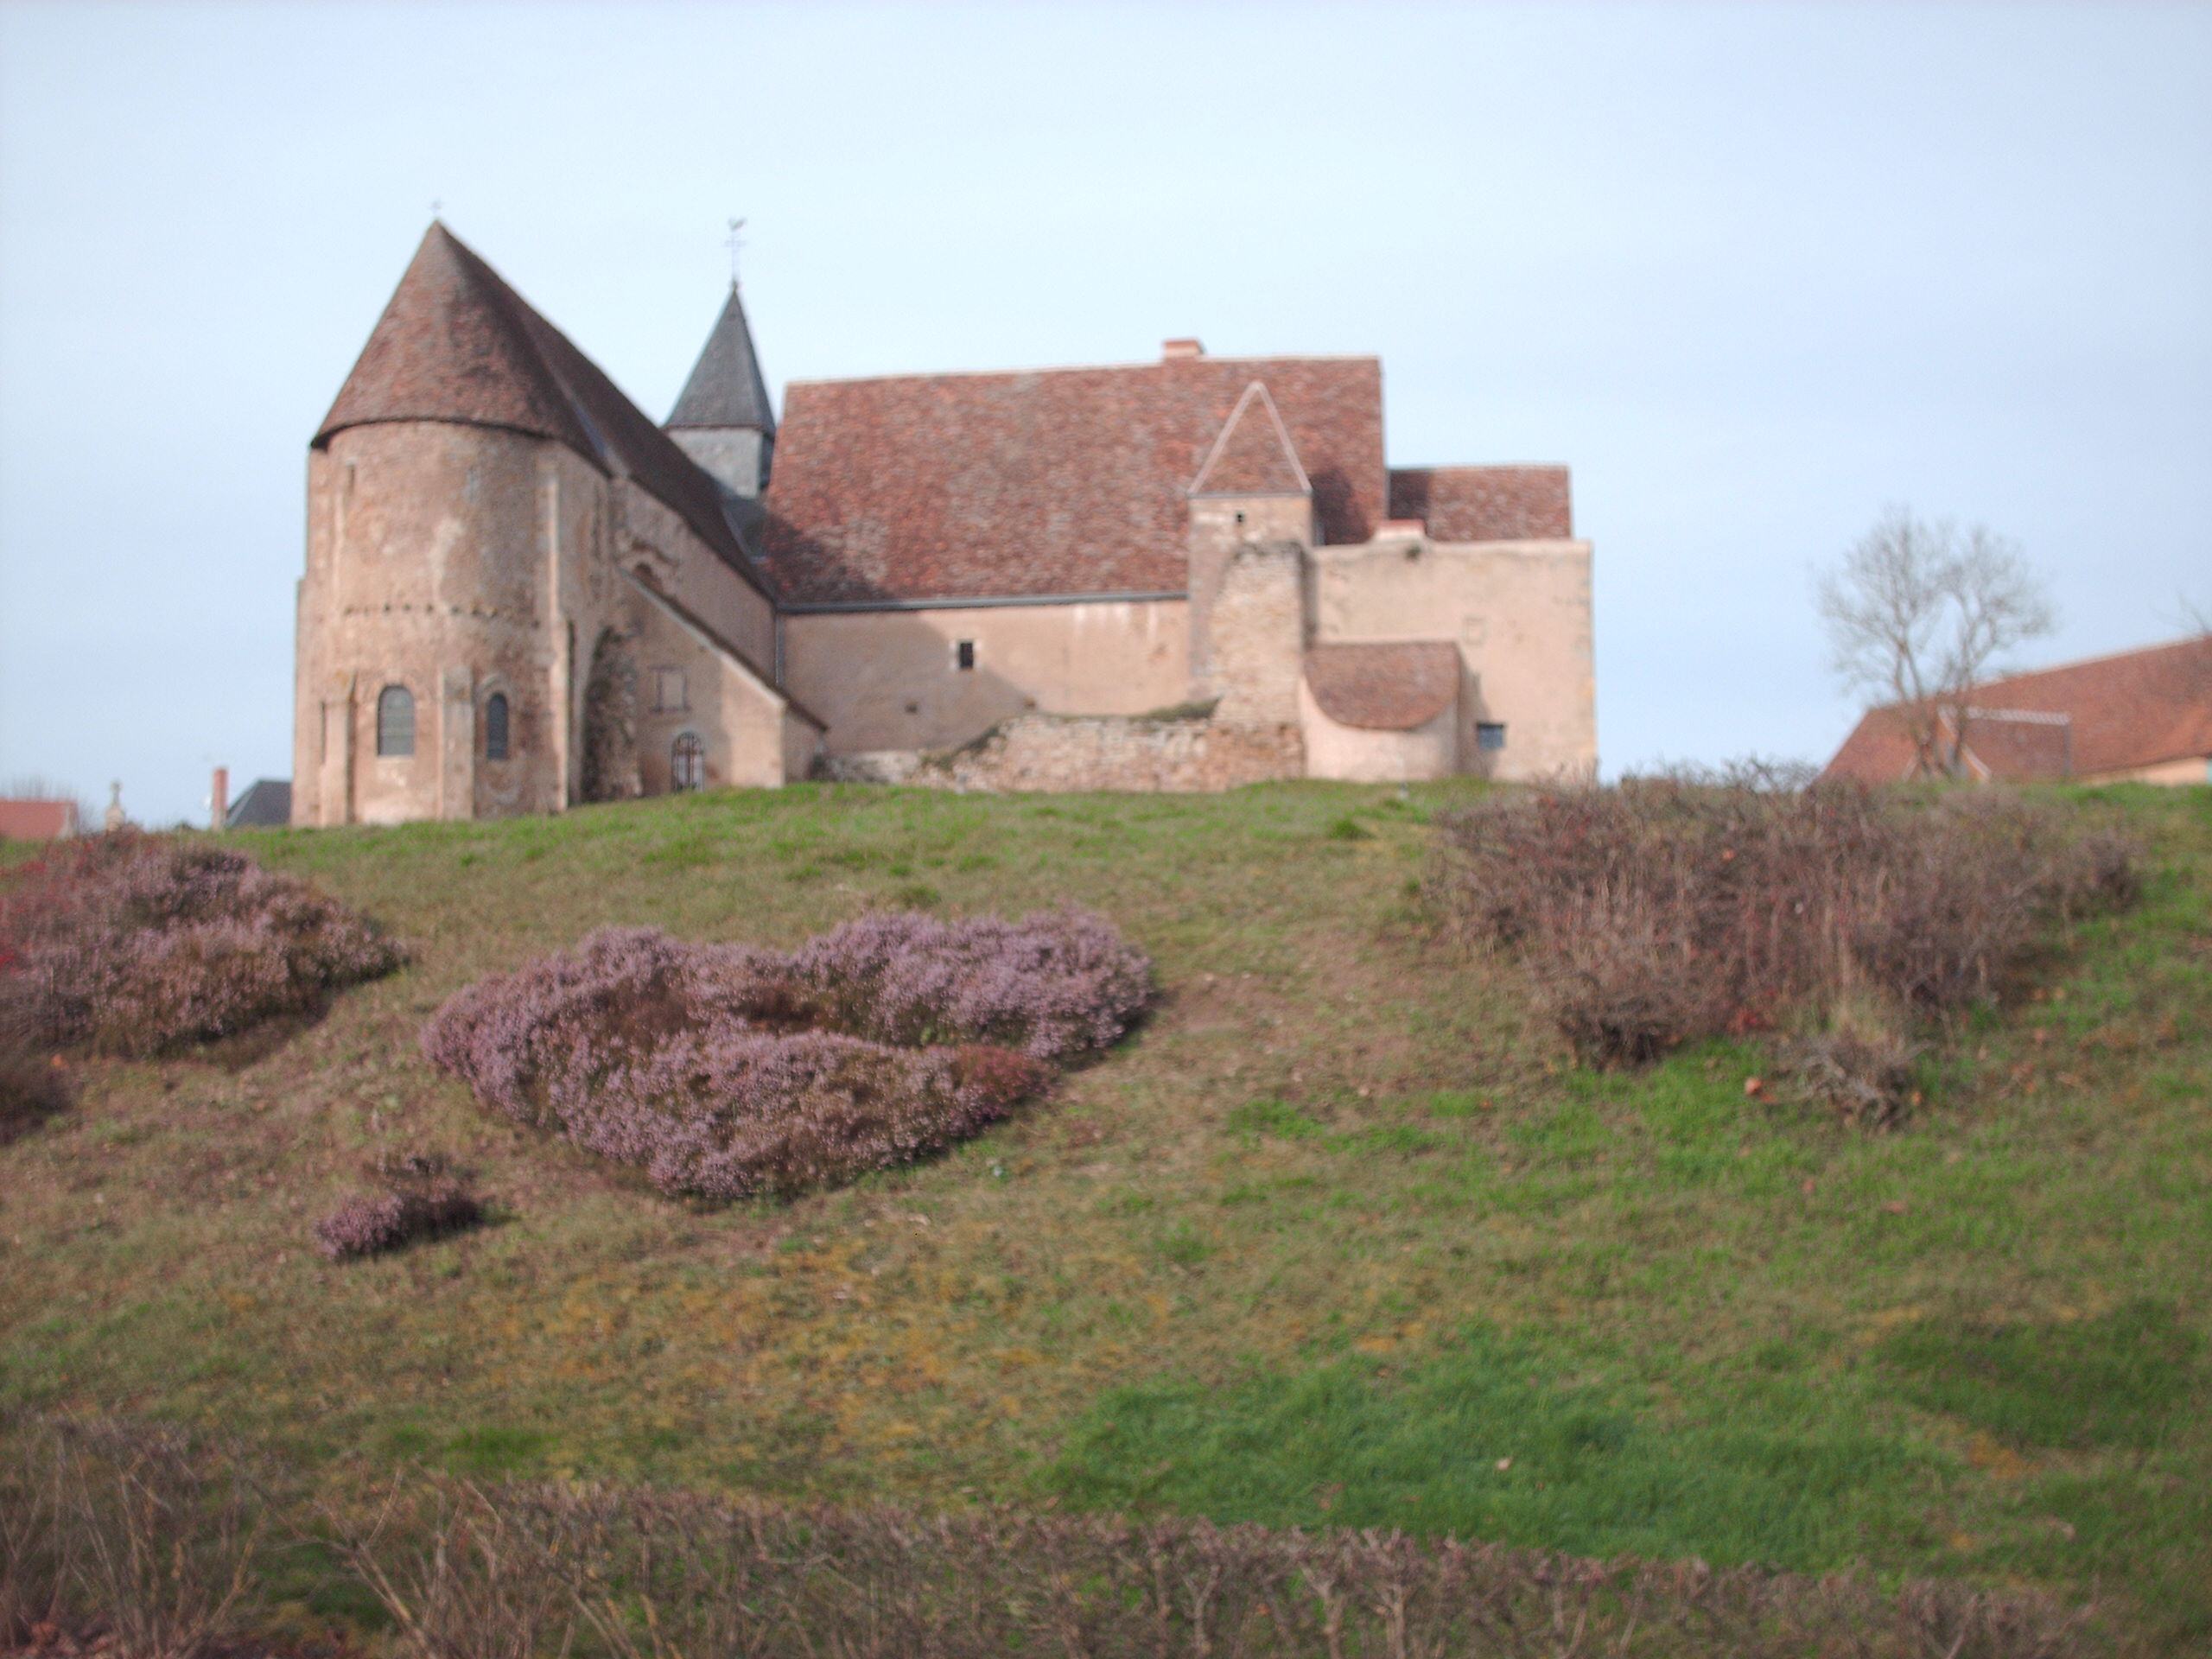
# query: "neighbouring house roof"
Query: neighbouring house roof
{"points": [[1390, 687], [266, 805], [1049, 482], [25, 820], [2139, 708], [1254, 455], [726, 387], [1485, 504], [457, 344]]}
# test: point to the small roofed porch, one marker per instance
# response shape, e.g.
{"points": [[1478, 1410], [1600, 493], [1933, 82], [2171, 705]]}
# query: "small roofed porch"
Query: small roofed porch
{"points": [[1382, 712]]}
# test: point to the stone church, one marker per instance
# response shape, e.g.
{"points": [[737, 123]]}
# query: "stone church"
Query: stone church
{"points": [[522, 594]]}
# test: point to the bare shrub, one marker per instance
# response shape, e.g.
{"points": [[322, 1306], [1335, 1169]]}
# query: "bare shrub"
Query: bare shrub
{"points": [[34, 1557], [130, 944], [727, 1072], [1862, 1072], [1664, 910], [475, 1574], [132, 1530], [32, 1089], [421, 1197]]}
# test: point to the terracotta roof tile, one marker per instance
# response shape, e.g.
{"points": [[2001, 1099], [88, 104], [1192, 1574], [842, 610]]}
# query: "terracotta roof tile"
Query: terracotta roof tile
{"points": [[1384, 688], [1052, 481], [2139, 709], [1485, 504], [1253, 456], [457, 344]]}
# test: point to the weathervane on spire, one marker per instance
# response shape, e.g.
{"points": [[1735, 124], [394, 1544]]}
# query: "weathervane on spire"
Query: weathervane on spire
{"points": [[736, 242]]}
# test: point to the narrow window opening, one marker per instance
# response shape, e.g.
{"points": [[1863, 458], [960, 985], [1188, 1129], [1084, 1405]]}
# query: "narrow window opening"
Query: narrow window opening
{"points": [[1490, 734], [963, 655], [495, 727], [687, 763], [395, 721], [671, 694]]}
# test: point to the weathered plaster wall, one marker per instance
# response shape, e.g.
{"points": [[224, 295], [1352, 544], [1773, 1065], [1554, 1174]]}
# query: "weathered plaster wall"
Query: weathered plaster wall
{"points": [[738, 720], [889, 679], [1356, 755], [648, 535], [2194, 769], [1520, 613]]}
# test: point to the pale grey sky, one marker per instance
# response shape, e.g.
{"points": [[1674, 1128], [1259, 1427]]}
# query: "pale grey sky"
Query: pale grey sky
{"points": [[1752, 271]]}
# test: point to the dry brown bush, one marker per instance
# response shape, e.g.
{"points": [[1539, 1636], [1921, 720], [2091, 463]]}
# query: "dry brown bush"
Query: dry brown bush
{"points": [[154, 1545], [132, 1531], [1664, 909], [474, 1573]]}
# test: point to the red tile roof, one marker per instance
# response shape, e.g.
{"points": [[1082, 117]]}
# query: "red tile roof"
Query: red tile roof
{"points": [[1485, 504], [2139, 709], [457, 344], [1254, 455], [37, 820], [1053, 482], [1384, 688]]}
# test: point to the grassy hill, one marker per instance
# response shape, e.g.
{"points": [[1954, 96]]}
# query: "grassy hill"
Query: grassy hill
{"points": [[1342, 1236]]}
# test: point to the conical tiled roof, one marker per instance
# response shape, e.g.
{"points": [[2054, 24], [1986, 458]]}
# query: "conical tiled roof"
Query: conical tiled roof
{"points": [[450, 347], [726, 388], [457, 344], [1253, 456]]}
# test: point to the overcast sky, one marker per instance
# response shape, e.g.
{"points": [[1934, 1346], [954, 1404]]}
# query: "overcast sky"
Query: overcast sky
{"points": [[1753, 272]]}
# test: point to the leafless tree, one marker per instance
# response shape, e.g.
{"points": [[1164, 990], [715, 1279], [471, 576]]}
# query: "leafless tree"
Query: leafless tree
{"points": [[1919, 612]]}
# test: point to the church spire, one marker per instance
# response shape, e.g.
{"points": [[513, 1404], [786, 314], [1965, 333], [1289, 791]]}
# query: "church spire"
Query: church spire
{"points": [[723, 418], [726, 388]]}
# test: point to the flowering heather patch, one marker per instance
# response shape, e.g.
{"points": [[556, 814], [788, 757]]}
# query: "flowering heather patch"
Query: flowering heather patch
{"points": [[1055, 985], [370, 1225], [134, 945], [726, 1073]]}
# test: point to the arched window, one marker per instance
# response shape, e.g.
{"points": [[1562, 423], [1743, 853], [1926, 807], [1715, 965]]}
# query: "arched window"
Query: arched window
{"points": [[687, 763], [495, 727], [395, 721]]}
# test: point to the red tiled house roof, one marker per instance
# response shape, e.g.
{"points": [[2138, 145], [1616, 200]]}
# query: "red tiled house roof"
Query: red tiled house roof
{"points": [[24, 820], [2139, 709], [1061, 481], [1253, 456], [457, 344], [1384, 688], [1485, 504]]}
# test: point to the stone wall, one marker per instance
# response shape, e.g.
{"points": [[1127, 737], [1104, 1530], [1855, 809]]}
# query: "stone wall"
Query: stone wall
{"points": [[1059, 754], [459, 562], [1257, 631]]}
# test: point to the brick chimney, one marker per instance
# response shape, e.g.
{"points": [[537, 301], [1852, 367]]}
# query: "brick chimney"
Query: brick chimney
{"points": [[219, 799], [1170, 350]]}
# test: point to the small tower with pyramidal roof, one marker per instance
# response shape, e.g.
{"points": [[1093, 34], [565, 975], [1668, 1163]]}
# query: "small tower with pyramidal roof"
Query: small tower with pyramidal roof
{"points": [[723, 418]]}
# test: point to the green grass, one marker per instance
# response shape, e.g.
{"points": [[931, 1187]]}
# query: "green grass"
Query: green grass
{"points": [[1338, 1230]]}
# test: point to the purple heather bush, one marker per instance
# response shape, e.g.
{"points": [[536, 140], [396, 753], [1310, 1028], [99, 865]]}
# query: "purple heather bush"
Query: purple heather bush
{"points": [[372, 1223], [134, 945], [725, 1072]]}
